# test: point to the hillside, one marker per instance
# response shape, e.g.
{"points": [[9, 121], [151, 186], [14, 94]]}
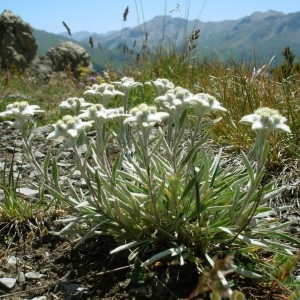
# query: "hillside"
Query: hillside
{"points": [[261, 34]]}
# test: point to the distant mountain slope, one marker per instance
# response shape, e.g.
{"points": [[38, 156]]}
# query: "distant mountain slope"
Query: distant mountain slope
{"points": [[46, 40], [262, 34]]}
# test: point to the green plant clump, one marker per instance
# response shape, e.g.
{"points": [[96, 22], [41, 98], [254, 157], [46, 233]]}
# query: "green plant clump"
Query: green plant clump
{"points": [[166, 195]]}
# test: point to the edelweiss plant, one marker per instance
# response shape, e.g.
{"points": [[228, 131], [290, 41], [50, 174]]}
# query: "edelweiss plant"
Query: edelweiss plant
{"points": [[167, 195]]}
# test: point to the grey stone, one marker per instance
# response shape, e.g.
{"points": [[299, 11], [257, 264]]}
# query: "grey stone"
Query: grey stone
{"points": [[8, 282], [38, 154], [17, 44], [21, 277], [33, 275], [69, 55], [76, 175], [28, 192], [72, 290], [12, 260]]}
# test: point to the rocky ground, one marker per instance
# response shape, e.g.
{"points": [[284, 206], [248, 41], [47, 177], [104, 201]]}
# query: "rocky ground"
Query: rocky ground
{"points": [[45, 266]]}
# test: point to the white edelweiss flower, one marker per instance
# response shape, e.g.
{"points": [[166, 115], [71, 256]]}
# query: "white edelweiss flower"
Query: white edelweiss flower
{"points": [[20, 111], [99, 114], [162, 85], [175, 100], [69, 127], [74, 103], [145, 115], [204, 103], [126, 84], [92, 89], [267, 119], [105, 91]]}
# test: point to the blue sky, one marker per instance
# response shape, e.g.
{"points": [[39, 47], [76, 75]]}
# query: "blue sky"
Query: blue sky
{"points": [[101, 16]]}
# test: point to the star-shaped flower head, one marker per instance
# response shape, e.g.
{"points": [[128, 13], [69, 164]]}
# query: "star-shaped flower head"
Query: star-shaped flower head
{"points": [[126, 84], [74, 104], [104, 92], [21, 112], [145, 115], [204, 103], [266, 119], [161, 85], [69, 127], [175, 100], [99, 114]]}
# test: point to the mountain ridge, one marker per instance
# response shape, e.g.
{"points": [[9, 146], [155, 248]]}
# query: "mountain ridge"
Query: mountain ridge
{"points": [[261, 34]]}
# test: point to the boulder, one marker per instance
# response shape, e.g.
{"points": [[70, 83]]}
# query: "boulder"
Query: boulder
{"points": [[17, 43], [68, 55]]}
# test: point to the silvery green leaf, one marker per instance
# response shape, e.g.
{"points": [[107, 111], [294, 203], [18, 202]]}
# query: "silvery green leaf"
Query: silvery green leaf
{"points": [[127, 246], [273, 194], [285, 237], [215, 167], [191, 184], [248, 167], [162, 163], [235, 202], [244, 238], [282, 208], [244, 272], [90, 233], [116, 166], [279, 245], [265, 153], [55, 173], [73, 191], [46, 165], [218, 208], [156, 257]]}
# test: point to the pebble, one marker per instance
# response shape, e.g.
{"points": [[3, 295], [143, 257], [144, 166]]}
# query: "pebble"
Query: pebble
{"points": [[28, 192], [38, 154], [12, 260], [72, 290], [8, 282], [33, 275], [40, 298], [21, 277]]}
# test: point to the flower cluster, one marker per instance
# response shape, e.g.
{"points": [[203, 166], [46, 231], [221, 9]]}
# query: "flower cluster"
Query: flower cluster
{"points": [[74, 104], [205, 103], [103, 91], [69, 127], [145, 115], [126, 84], [266, 119], [99, 114], [20, 111], [161, 85], [174, 100]]}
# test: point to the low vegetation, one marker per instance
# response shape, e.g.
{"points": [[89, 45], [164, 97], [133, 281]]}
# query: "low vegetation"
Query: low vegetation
{"points": [[192, 180]]}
